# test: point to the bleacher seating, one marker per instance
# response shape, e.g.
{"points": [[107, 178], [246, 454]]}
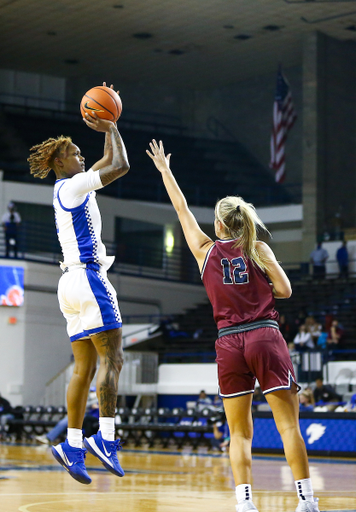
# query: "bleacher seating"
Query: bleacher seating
{"points": [[32, 421], [137, 425], [327, 297], [206, 169]]}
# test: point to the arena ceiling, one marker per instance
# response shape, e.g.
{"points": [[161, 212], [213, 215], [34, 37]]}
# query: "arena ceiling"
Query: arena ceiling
{"points": [[185, 43]]}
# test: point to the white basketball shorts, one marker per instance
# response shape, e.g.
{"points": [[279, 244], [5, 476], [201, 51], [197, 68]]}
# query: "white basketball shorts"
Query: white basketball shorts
{"points": [[88, 302]]}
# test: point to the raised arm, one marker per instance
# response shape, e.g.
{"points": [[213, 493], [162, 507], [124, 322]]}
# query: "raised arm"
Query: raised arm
{"points": [[108, 154], [119, 164], [281, 284], [199, 243]]}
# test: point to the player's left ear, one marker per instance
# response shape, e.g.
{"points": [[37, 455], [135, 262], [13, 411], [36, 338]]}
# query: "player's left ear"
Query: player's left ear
{"points": [[58, 161]]}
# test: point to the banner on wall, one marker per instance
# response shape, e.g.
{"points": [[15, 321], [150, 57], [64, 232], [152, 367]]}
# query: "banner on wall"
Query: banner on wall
{"points": [[11, 286], [327, 434]]}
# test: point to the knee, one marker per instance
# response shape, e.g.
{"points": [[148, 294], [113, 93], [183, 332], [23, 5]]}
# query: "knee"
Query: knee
{"points": [[245, 434], [85, 371], [288, 430]]}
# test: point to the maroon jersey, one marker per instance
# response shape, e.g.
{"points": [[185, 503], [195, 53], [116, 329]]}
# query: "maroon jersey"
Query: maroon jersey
{"points": [[238, 290]]}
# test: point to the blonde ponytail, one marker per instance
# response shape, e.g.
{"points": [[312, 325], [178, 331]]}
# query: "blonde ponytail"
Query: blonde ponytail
{"points": [[242, 222]]}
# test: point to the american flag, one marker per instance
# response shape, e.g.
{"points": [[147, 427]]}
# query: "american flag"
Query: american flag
{"points": [[284, 117]]}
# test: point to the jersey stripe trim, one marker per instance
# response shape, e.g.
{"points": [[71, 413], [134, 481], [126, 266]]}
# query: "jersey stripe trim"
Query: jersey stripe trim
{"points": [[227, 241], [76, 208], [206, 260]]}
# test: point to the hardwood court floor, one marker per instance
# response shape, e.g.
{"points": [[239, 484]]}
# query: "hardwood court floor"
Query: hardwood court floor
{"points": [[162, 481]]}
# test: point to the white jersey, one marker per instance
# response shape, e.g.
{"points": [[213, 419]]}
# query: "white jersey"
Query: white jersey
{"points": [[78, 220]]}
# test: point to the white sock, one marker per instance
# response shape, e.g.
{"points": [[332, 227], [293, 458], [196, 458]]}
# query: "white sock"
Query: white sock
{"points": [[107, 428], [75, 437], [243, 493], [304, 489]]}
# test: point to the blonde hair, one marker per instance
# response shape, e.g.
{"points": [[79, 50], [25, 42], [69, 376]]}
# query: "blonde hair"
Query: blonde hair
{"points": [[42, 159], [242, 222]]}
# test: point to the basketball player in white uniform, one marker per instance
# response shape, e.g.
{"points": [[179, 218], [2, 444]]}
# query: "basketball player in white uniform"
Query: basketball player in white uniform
{"points": [[86, 297]]}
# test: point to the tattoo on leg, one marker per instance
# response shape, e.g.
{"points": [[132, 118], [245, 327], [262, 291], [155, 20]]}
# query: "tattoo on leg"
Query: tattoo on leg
{"points": [[113, 361]]}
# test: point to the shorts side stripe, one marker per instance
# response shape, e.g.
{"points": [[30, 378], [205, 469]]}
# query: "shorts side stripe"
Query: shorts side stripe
{"points": [[236, 394], [109, 313], [78, 336], [96, 330], [277, 388]]}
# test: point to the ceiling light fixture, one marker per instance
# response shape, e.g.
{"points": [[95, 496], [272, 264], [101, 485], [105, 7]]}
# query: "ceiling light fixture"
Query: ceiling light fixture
{"points": [[177, 52], [242, 37], [272, 28], [142, 35]]}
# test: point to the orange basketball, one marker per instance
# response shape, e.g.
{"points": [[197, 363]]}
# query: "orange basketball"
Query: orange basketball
{"points": [[105, 102]]}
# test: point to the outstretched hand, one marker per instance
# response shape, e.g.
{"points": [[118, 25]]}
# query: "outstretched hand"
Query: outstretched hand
{"points": [[96, 123], [111, 87], [158, 156]]}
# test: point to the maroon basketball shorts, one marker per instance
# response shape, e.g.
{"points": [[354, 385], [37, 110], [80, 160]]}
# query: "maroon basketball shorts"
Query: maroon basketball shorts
{"points": [[260, 354]]}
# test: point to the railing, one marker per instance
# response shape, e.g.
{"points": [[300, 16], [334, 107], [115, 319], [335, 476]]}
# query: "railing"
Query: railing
{"points": [[38, 242], [298, 270], [199, 194], [219, 130], [61, 109]]}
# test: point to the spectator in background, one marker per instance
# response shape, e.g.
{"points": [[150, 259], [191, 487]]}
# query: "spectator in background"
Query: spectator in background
{"points": [[334, 334], [92, 410], [318, 258], [324, 393], [322, 341], [303, 340], [313, 328], [306, 400], [91, 420], [221, 435], [5, 414], [218, 403], [10, 223], [298, 321], [342, 257], [258, 398], [203, 401]]}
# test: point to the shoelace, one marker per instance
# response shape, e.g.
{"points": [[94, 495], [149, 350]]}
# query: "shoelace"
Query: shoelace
{"points": [[81, 455], [118, 444]]}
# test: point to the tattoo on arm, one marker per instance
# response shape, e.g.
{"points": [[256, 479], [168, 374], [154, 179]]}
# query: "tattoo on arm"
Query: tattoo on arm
{"points": [[108, 144], [111, 358], [108, 174], [120, 164], [119, 150]]}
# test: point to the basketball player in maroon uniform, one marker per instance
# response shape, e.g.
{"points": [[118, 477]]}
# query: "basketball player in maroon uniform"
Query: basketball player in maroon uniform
{"points": [[237, 271]]}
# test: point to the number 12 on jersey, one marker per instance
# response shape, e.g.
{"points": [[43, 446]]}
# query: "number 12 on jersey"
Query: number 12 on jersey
{"points": [[234, 271]]}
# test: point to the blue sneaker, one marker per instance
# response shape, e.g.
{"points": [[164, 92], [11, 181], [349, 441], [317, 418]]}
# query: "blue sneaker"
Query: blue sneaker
{"points": [[106, 451], [72, 459]]}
